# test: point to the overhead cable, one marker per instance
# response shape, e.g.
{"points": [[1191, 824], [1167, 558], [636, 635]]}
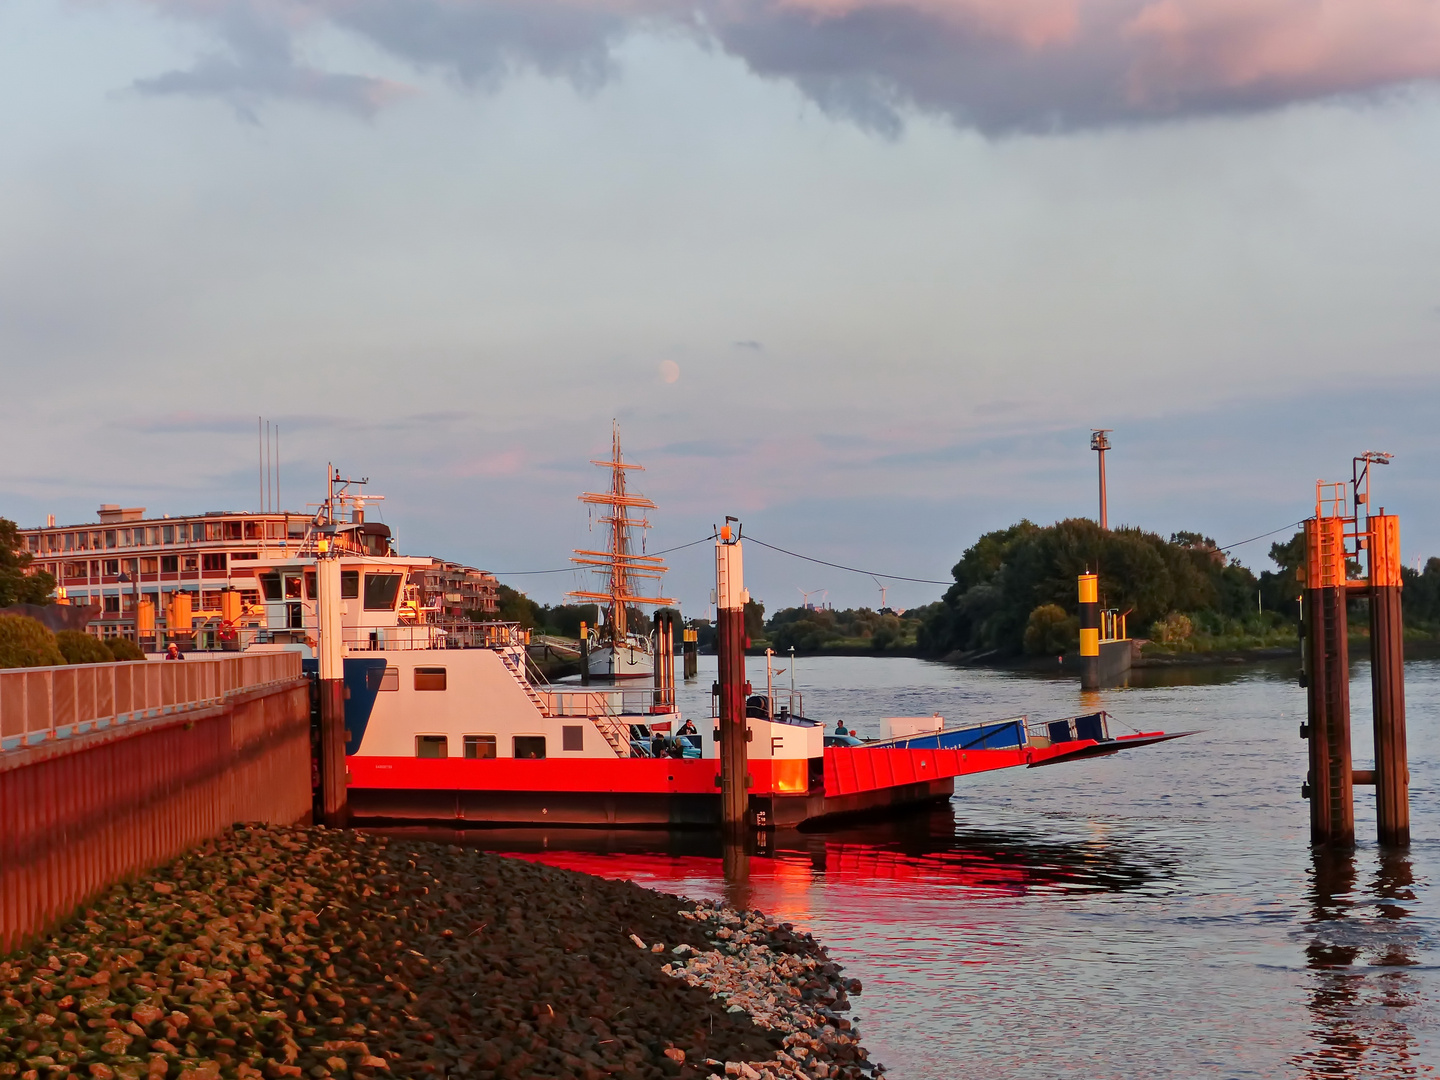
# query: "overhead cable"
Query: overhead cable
{"points": [[567, 569], [852, 569], [1262, 536]]}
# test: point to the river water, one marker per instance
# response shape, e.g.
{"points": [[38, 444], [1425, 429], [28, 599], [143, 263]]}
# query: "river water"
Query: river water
{"points": [[1157, 913]]}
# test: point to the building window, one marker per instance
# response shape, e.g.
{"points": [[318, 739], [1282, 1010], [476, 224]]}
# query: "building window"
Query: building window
{"points": [[112, 567], [169, 564], [75, 570], [69, 541], [82, 542], [529, 746], [109, 538], [431, 746], [197, 530], [349, 584], [150, 565], [479, 747], [112, 605], [391, 679], [167, 534], [429, 678], [572, 737], [214, 560], [381, 591], [152, 535], [191, 564]]}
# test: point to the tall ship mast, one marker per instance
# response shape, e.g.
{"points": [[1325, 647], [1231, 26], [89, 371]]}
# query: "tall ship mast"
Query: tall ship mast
{"points": [[616, 650]]}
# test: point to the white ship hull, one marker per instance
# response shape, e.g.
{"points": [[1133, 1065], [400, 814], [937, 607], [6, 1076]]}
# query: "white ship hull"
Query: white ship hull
{"points": [[621, 662]]}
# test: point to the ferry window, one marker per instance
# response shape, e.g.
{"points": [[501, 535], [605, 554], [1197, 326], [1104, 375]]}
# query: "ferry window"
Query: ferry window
{"points": [[214, 530], [391, 679], [270, 585], [167, 533], [233, 530], [431, 746], [296, 526], [244, 555], [572, 737], [275, 530], [253, 530], [214, 560], [529, 746], [479, 746], [381, 591], [349, 584], [311, 589], [292, 586], [429, 678]]}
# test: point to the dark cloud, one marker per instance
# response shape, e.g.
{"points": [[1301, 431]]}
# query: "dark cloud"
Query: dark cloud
{"points": [[998, 65], [259, 65]]}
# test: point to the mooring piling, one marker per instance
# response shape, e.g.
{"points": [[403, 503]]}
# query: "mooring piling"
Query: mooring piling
{"points": [[333, 808], [1327, 657], [1089, 631], [1324, 636], [730, 597], [1392, 772]]}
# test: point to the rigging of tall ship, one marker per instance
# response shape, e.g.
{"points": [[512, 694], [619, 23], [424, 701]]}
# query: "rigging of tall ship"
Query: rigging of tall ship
{"points": [[615, 650]]}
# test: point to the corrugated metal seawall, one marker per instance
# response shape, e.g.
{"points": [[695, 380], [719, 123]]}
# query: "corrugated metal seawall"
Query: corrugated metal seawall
{"points": [[79, 814]]}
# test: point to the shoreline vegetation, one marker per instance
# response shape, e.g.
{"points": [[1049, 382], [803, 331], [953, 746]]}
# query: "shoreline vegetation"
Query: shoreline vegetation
{"points": [[303, 952]]}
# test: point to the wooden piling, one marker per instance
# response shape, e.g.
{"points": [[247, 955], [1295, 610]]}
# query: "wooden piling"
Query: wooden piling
{"points": [[1387, 673], [730, 646], [1327, 661], [691, 647]]}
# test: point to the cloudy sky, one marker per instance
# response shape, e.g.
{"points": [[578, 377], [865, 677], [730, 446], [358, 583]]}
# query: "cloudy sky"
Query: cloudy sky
{"points": [[860, 272]]}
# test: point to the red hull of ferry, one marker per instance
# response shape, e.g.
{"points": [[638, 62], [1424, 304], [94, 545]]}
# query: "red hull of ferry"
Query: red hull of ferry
{"points": [[672, 791]]}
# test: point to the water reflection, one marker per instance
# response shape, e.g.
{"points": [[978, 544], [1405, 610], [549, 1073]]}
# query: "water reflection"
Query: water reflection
{"points": [[916, 852], [1360, 941]]}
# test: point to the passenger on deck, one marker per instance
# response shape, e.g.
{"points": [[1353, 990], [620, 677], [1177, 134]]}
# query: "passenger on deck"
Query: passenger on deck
{"points": [[840, 728], [174, 653], [657, 745], [688, 728]]}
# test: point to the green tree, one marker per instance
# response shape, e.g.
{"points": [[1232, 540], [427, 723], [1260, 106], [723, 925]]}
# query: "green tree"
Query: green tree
{"points": [[124, 649], [18, 584], [1049, 631], [79, 647], [754, 619], [27, 642], [514, 606]]}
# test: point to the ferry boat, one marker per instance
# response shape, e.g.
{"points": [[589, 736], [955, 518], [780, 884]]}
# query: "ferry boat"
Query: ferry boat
{"points": [[613, 650], [440, 729]]}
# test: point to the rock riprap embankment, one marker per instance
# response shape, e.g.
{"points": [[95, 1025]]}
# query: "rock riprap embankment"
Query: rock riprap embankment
{"points": [[312, 953]]}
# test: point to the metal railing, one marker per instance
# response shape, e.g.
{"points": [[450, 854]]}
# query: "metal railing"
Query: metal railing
{"points": [[611, 702], [406, 638], [37, 704]]}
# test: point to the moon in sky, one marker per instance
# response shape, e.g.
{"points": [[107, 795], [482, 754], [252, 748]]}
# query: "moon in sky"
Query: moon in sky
{"points": [[669, 371]]}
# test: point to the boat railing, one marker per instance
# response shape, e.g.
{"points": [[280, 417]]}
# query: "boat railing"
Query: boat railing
{"points": [[985, 731], [616, 701], [1094, 726], [405, 638]]}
